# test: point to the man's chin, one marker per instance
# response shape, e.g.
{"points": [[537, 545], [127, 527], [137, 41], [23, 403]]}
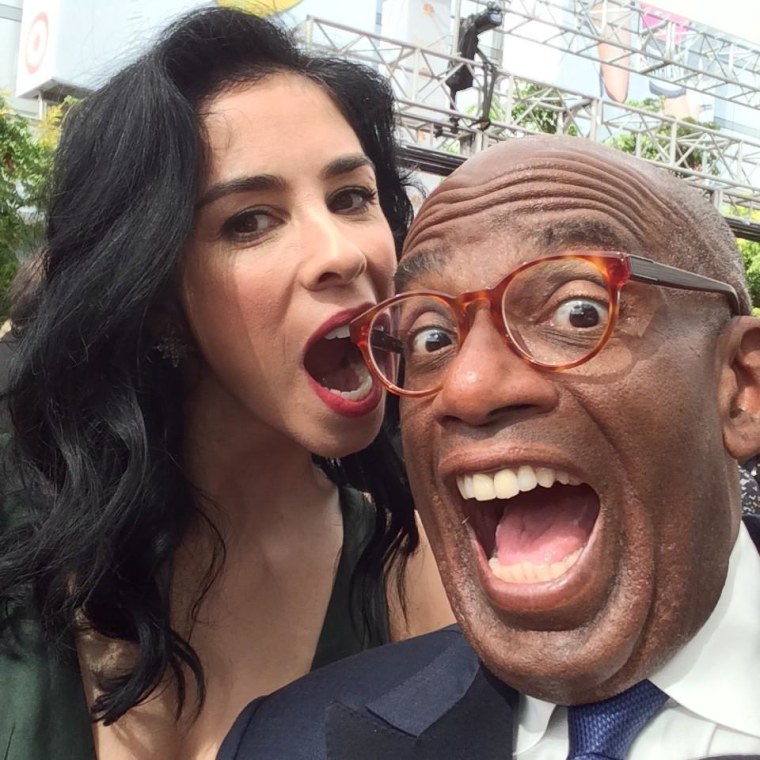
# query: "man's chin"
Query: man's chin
{"points": [[554, 666], [586, 648]]}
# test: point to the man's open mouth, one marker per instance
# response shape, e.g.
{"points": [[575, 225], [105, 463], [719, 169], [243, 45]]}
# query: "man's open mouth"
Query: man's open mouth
{"points": [[532, 522], [337, 365]]}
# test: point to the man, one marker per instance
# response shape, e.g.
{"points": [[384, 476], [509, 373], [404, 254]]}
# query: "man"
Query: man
{"points": [[571, 419]]}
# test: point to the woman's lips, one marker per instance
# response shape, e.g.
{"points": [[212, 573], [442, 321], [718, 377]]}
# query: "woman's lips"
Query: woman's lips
{"points": [[336, 370], [347, 406]]}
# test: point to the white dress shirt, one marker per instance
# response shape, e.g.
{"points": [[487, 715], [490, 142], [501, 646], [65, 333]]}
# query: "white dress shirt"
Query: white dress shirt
{"points": [[713, 684]]}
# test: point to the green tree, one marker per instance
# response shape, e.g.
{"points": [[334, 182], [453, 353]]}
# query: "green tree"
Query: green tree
{"points": [[655, 144], [26, 154], [750, 251], [540, 109], [751, 255]]}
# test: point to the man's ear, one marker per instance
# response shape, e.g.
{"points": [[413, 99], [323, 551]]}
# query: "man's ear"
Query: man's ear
{"points": [[739, 388]]}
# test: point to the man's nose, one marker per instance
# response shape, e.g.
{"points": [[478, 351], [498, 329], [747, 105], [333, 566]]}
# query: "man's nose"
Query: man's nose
{"points": [[488, 380], [332, 258]]}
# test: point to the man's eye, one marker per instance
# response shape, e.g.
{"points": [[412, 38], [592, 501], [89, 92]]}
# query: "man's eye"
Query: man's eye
{"points": [[429, 340], [249, 224], [580, 313], [352, 199]]}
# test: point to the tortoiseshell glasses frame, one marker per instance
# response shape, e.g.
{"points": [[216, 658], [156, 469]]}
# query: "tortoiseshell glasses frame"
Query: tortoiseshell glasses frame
{"points": [[581, 278]]}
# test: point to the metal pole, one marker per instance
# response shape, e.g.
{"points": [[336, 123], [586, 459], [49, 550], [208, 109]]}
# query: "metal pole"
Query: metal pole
{"points": [[455, 28]]}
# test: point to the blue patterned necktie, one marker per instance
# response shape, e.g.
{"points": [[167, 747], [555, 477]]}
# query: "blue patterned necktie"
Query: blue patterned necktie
{"points": [[605, 730]]}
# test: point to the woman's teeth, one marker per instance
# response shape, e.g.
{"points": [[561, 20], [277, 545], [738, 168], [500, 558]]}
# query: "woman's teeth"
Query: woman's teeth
{"points": [[360, 393], [507, 483], [338, 332]]}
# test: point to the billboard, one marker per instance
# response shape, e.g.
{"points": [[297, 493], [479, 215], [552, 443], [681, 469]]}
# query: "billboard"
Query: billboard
{"points": [[71, 46], [660, 56], [74, 45]]}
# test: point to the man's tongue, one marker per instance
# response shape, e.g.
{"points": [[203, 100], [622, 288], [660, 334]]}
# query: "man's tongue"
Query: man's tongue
{"points": [[544, 526]]}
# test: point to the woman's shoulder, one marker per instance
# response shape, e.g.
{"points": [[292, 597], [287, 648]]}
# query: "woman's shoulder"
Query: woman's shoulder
{"points": [[47, 715]]}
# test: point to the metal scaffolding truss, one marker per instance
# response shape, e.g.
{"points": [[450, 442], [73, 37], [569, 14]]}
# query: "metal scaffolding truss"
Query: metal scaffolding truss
{"points": [[683, 55], [440, 134]]}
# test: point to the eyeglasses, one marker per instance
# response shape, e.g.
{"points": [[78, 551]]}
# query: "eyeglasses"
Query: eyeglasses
{"points": [[557, 312]]}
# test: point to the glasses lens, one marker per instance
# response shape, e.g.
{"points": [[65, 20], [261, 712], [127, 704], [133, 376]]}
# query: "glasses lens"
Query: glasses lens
{"points": [[412, 340], [557, 311]]}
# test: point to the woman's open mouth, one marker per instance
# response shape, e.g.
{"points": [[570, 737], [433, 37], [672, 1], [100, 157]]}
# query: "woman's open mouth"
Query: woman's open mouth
{"points": [[336, 364], [532, 523]]}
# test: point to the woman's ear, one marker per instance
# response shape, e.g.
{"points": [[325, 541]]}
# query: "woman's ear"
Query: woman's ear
{"points": [[168, 332], [739, 388], [166, 316]]}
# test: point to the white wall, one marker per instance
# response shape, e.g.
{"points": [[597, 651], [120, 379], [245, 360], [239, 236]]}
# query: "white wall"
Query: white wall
{"points": [[10, 30]]}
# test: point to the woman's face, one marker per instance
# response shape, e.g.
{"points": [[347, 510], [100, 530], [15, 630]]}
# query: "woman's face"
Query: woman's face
{"points": [[289, 245]]}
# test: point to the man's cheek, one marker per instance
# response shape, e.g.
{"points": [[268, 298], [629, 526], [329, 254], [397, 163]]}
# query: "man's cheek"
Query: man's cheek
{"points": [[417, 431]]}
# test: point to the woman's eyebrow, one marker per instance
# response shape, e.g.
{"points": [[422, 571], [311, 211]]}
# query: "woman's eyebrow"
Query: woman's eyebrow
{"points": [[240, 185], [345, 165], [342, 165]]}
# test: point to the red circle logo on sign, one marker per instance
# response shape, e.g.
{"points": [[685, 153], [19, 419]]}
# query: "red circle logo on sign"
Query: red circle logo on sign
{"points": [[36, 42]]}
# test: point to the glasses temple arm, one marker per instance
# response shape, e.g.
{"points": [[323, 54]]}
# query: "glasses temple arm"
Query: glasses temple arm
{"points": [[646, 270], [380, 339]]}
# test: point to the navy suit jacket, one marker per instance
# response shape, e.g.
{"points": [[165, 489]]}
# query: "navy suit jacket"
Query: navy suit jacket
{"points": [[427, 698]]}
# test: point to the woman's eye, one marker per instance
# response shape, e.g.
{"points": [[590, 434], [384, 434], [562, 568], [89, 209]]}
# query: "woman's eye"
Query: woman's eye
{"points": [[580, 313], [429, 340], [249, 224], [352, 199]]}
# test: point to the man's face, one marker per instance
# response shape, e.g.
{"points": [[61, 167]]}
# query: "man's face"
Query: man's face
{"points": [[596, 581]]}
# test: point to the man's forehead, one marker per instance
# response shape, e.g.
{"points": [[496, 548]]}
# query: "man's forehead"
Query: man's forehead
{"points": [[545, 193], [487, 249]]}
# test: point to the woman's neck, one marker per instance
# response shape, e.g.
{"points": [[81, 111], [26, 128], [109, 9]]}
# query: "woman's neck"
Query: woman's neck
{"points": [[249, 474], [258, 487]]}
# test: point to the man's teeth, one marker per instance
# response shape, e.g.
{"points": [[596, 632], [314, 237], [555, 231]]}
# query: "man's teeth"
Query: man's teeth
{"points": [[527, 572], [338, 332], [507, 483], [360, 393]]}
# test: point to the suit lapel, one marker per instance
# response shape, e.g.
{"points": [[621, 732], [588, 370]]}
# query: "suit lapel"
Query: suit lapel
{"points": [[451, 708], [753, 526], [408, 722]]}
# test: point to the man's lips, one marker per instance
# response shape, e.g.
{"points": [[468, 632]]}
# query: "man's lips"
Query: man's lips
{"points": [[540, 526], [534, 531]]}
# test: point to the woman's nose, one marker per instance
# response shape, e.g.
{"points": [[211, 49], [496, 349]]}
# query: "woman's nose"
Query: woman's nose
{"points": [[333, 258]]}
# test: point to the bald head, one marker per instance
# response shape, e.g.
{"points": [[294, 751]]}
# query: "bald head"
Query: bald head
{"points": [[558, 191], [577, 589]]}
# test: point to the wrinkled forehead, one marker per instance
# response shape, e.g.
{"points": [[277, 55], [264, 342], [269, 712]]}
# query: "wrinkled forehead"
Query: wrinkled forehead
{"points": [[527, 198]]}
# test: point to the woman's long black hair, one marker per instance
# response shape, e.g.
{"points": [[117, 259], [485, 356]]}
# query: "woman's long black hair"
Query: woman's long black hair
{"points": [[96, 414]]}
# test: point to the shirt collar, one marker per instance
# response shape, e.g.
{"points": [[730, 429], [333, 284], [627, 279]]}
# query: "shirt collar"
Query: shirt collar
{"points": [[717, 673]]}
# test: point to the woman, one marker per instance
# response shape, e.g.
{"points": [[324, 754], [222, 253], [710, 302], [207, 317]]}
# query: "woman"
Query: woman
{"points": [[220, 210]]}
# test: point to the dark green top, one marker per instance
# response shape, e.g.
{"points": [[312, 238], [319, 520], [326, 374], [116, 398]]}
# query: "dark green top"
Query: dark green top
{"points": [[43, 714]]}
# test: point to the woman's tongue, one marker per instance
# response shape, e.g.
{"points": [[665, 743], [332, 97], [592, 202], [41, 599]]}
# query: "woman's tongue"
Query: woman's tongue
{"points": [[543, 527], [332, 364]]}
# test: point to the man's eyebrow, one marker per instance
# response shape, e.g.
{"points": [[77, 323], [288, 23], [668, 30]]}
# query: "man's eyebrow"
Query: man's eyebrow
{"points": [[240, 185], [574, 233], [563, 234], [413, 266]]}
